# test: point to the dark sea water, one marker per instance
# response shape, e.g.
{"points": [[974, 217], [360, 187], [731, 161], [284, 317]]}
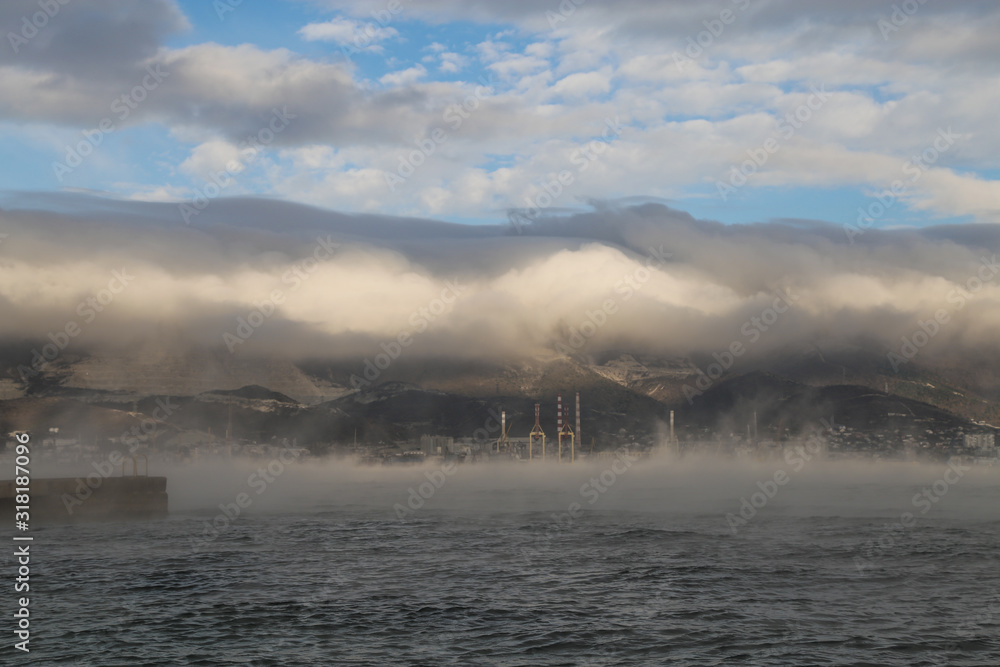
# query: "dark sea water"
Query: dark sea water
{"points": [[497, 572]]}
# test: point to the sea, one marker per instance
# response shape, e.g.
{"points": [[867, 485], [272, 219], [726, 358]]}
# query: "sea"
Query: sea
{"points": [[608, 562]]}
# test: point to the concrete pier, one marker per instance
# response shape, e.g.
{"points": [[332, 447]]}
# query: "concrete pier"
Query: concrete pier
{"points": [[69, 500]]}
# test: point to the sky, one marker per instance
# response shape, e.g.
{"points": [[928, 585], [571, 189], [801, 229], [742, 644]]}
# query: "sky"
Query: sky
{"points": [[473, 180], [858, 113]]}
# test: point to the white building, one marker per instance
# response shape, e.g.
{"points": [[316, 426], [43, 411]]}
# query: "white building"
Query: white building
{"points": [[981, 441]]}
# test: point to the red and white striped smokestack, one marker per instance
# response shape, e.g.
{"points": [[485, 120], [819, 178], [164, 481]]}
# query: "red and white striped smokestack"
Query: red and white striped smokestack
{"points": [[538, 415], [578, 417], [559, 413]]}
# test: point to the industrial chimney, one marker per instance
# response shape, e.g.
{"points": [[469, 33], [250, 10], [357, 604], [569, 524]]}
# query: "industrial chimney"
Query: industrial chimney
{"points": [[578, 438], [503, 430], [559, 423]]}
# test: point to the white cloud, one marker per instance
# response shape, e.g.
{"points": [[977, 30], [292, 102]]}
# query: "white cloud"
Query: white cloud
{"points": [[404, 77], [211, 157], [521, 293], [686, 126], [348, 32], [584, 84], [518, 65], [452, 63]]}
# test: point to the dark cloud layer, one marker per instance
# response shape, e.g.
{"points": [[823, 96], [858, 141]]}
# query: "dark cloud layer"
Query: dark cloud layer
{"points": [[676, 284]]}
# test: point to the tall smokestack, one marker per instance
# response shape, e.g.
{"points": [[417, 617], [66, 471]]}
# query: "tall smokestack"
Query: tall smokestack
{"points": [[536, 429], [559, 413], [503, 428], [578, 438], [671, 427], [559, 426]]}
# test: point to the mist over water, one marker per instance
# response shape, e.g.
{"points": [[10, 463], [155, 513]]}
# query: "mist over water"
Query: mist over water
{"points": [[617, 559], [511, 564], [661, 484], [692, 484]]}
